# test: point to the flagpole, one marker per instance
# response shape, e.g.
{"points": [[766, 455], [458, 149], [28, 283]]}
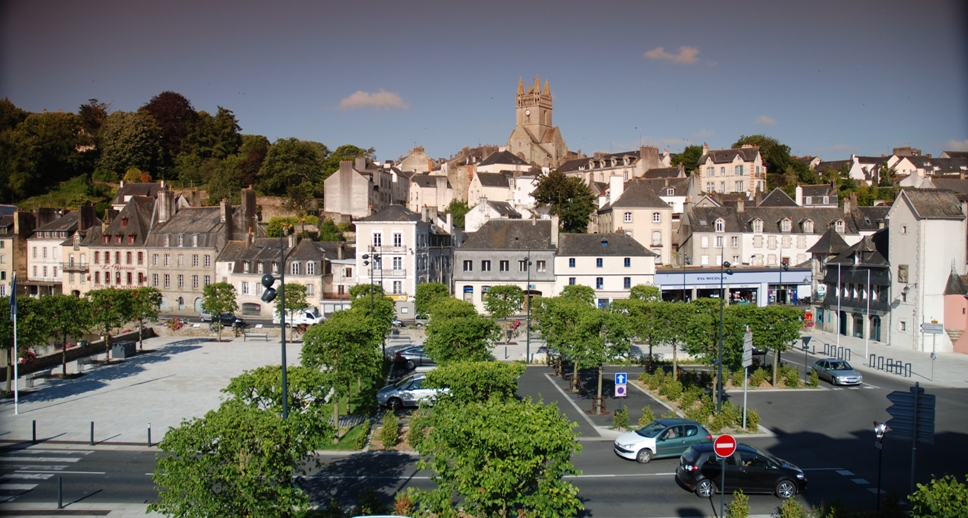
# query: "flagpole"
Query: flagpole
{"points": [[16, 359]]}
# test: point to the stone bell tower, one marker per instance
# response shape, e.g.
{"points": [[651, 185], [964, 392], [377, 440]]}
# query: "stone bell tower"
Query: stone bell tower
{"points": [[535, 138]]}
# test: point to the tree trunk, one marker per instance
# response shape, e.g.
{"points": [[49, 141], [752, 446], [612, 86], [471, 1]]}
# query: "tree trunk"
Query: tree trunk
{"points": [[107, 347], [598, 402], [141, 338], [336, 417], [675, 361], [574, 377], [64, 357], [776, 361]]}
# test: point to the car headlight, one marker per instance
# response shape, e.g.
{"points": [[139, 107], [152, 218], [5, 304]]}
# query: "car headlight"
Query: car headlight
{"points": [[624, 446], [800, 476]]}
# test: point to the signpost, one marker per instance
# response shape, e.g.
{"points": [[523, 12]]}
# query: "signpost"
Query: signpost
{"points": [[747, 362], [724, 446], [912, 417], [621, 387], [934, 329]]}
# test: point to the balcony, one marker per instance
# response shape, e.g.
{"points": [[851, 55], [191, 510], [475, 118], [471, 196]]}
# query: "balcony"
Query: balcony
{"points": [[74, 267]]}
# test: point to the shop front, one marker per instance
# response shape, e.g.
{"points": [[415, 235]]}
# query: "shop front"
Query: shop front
{"points": [[757, 286]]}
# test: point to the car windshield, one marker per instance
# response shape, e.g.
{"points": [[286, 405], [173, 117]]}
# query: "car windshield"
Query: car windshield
{"points": [[403, 382], [840, 366], [651, 430]]}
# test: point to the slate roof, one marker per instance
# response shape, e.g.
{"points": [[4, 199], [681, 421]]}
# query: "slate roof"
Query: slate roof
{"points": [[426, 181], [393, 213], [830, 243], [493, 180], [952, 184], [870, 251], [611, 244], [662, 172], [331, 249], [574, 165], [777, 198], [703, 219], [503, 157], [658, 186], [957, 154], [511, 234], [834, 165], [956, 285], [149, 190], [504, 209], [933, 203], [636, 196], [65, 223], [204, 221], [823, 189], [869, 218], [138, 212], [725, 156]]}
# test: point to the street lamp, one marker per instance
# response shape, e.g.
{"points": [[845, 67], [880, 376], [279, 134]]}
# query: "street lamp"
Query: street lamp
{"points": [[369, 259], [781, 294], [268, 296], [527, 295], [685, 262], [723, 272], [880, 429]]}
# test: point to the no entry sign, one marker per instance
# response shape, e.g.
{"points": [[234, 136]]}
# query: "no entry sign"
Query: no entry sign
{"points": [[724, 445]]}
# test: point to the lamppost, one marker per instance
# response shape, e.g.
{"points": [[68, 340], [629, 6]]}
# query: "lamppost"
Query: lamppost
{"points": [[723, 272], [781, 294], [880, 429], [527, 296], [685, 262], [268, 296], [369, 259]]}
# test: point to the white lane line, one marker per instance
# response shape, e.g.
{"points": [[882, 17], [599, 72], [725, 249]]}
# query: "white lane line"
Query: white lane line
{"points": [[26, 476], [859, 481], [40, 467], [17, 487], [41, 451], [568, 398], [52, 473], [39, 459], [844, 472]]}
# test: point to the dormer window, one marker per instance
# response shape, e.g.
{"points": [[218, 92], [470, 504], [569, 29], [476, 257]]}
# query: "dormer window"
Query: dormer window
{"points": [[670, 192], [839, 226], [808, 226], [785, 225], [181, 239], [117, 240], [124, 222], [720, 225], [167, 239], [195, 240], [757, 225]]}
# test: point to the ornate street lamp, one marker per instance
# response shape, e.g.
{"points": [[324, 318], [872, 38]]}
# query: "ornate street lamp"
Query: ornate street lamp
{"points": [[527, 296], [723, 272], [268, 296], [368, 260]]}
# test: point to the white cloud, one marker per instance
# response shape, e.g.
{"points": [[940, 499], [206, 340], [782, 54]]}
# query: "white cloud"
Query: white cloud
{"points": [[767, 121], [956, 145], [686, 56], [380, 100]]}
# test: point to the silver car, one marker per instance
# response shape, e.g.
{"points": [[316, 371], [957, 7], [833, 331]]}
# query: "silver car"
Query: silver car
{"points": [[407, 392], [837, 372]]}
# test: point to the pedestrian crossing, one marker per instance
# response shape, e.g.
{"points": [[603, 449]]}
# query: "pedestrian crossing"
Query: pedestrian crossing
{"points": [[22, 470]]}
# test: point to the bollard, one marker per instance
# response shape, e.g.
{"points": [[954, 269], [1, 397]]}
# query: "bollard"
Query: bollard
{"points": [[907, 370], [92, 433], [149, 435], [60, 493], [880, 363], [34, 436]]}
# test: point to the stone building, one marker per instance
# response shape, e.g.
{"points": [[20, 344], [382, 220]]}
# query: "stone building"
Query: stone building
{"points": [[535, 139]]}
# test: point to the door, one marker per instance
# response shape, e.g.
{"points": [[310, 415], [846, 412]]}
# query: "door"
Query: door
{"points": [[876, 328], [671, 442], [712, 470], [756, 472]]}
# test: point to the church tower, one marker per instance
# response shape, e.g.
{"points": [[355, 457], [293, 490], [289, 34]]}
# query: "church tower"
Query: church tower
{"points": [[534, 138], [534, 107]]}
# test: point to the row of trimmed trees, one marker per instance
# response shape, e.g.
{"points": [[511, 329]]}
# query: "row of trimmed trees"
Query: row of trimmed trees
{"points": [[59, 317]]}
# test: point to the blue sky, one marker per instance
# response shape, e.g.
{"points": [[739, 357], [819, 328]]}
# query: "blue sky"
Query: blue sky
{"points": [[827, 78]]}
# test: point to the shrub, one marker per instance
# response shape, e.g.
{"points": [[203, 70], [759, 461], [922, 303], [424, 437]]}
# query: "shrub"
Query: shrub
{"points": [[739, 507], [696, 414], [418, 429], [175, 324], [403, 504], [752, 420], [370, 503], [671, 389], [720, 421], [738, 378], [791, 509], [790, 375], [620, 419], [814, 380], [758, 377], [689, 397], [390, 433], [671, 414], [733, 415], [942, 498], [647, 416], [364, 435]]}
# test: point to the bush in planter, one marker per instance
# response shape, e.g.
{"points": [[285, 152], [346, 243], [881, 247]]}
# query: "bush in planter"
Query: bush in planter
{"points": [[671, 389], [738, 378], [814, 380], [647, 416], [390, 433], [620, 419], [689, 397], [752, 420], [791, 376], [759, 376]]}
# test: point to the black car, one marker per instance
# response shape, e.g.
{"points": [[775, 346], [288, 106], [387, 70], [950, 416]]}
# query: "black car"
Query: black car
{"points": [[413, 357], [230, 320], [749, 469]]}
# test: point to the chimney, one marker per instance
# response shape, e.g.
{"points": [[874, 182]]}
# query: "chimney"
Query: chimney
{"points": [[798, 193], [740, 205], [44, 215], [250, 218], [616, 186], [292, 240], [249, 238], [164, 205], [225, 216], [24, 223], [554, 230], [360, 163], [85, 216], [424, 214], [339, 251]]}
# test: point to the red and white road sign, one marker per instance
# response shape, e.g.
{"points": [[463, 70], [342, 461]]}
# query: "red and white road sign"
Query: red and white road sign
{"points": [[724, 445], [620, 391]]}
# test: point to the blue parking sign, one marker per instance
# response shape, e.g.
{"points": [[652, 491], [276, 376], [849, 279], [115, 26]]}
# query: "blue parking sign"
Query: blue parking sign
{"points": [[621, 378]]}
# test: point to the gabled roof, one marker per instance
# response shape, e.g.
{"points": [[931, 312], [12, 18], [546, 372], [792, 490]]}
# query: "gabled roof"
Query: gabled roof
{"points": [[704, 219], [725, 156], [503, 157], [149, 190], [505, 209], [611, 244], [830, 243], [777, 198], [663, 172], [426, 181], [933, 204], [659, 186], [65, 223], [511, 234], [493, 180], [834, 165], [870, 218], [636, 196], [952, 184], [955, 154], [392, 213], [823, 189], [869, 251]]}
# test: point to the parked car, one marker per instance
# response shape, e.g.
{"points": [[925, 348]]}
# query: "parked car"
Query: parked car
{"points": [[398, 323], [748, 469], [413, 357], [837, 372], [408, 392], [205, 316], [230, 320], [661, 438], [310, 316]]}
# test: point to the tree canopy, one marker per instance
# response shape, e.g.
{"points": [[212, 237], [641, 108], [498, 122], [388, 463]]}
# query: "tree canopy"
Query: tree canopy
{"points": [[568, 197], [218, 298], [428, 294], [689, 158], [293, 169]]}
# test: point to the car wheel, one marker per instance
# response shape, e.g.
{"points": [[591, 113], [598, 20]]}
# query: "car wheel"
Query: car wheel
{"points": [[785, 489], [644, 456], [411, 365], [394, 404], [705, 488]]}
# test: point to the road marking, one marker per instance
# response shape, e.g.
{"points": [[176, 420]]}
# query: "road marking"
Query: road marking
{"points": [[405, 477], [859, 481], [43, 451], [27, 476], [39, 459], [17, 487], [572, 401], [61, 472], [844, 472]]}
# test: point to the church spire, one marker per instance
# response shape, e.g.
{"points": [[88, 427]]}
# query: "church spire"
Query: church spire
{"points": [[547, 89], [537, 85], [520, 86]]}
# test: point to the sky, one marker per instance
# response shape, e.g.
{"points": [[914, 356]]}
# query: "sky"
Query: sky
{"points": [[826, 77]]}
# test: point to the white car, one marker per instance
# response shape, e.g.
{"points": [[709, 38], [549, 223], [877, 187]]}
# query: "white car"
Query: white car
{"points": [[310, 316], [408, 392], [661, 438]]}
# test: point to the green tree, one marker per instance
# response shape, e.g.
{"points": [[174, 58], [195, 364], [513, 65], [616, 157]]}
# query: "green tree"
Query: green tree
{"points": [[689, 158], [470, 381], [112, 309], [580, 293], [145, 305], [42, 152], [307, 389], [428, 294], [128, 140], [668, 321], [560, 322], [461, 338], [174, 116], [224, 179], [346, 152], [503, 301], [646, 293], [214, 136], [295, 301], [603, 335], [458, 210], [378, 306], [218, 298], [348, 346], [944, 497], [66, 316], [293, 168], [779, 163], [235, 461], [773, 327], [499, 458], [570, 198], [252, 153], [91, 116], [450, 307], [32, 329]]}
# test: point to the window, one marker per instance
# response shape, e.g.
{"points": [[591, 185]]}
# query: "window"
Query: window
{"points": [[181, 281], [154, 280], [839, 226], [628, 262], [97, 258], [468, 266], [397, 239], [598, 262], [167, 259], [397, 263], [245, 288], [311, 268], [720, 225], [571, 262], [599, 282], [903, 230], [523, 265], [722, 170], [719, 241], [377, 240], [738, 170], [722, 186], [181, 239], [739, 186], [571, 281], [710, 171], [35, 252], [168, 280], [542, 265], [505, 266], [117, 257], [903, 326], [208, 260], [734, 241], [808, 226], [294, 268], [656, 217], [785, 225], [97, 277], [208, 280], [397, 287], [670, 192], [194, 282], [485, 266], [628, 217], [704, 241], [757, 225], [656, 238], [195, 260], [44, 252], [628, 283]]}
